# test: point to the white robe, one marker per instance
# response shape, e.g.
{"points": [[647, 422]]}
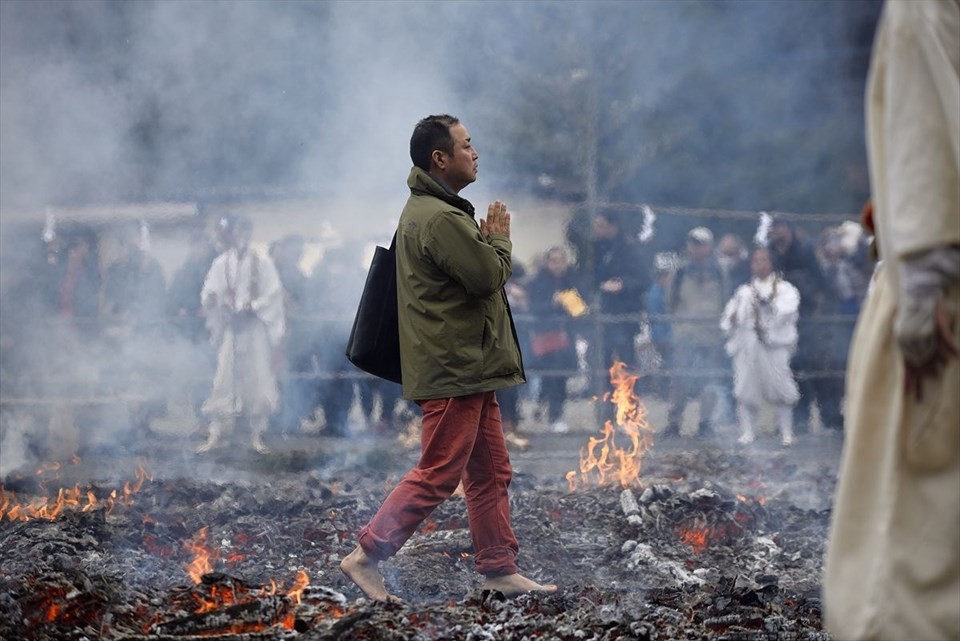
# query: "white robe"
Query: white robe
{"points": [[245, 382], [892, 568], [760, 322]]}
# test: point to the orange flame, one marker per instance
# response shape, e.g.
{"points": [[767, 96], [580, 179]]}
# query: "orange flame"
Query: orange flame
{"points": [[203, 556], [50, 508], [269, 591], [602, 461], [700, 535], [697, 538], [53, 613], [49, 467], [302, 581]]}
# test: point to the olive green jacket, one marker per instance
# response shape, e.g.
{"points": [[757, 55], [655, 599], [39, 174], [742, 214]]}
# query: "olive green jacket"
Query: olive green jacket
{"points": [[457, 335]]}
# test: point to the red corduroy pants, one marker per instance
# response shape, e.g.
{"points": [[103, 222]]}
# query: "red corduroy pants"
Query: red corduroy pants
{"points": [[461, 440]]}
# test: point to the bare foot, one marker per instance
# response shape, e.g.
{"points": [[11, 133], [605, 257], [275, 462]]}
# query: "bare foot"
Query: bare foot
{"points": [[362, 570], [516, 584], [213, 443], [257, 443]]}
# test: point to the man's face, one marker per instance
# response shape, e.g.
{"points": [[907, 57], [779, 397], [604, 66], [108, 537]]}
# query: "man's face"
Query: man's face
{"points": [[459, 168]]}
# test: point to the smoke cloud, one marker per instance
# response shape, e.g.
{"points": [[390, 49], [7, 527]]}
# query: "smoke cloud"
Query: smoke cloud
{"points": [[106, 101], [729, 105]]}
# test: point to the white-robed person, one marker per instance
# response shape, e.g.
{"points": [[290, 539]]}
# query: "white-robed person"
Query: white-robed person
{"points": [[760, 321], [242, 300], [892, 568]]}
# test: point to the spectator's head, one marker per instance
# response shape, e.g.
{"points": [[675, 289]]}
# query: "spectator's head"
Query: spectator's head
{"points": [[731, 248], [852, 237], [557, 261], [831, 246], [664, 265], [441, 146], [781, 233], [128, 242], [699, 244], [80, 246], [606, 225], [761, 265], [235, 231]]}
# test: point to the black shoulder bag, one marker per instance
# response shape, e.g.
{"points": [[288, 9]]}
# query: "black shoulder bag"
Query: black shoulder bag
{"points": [[374, 343]]}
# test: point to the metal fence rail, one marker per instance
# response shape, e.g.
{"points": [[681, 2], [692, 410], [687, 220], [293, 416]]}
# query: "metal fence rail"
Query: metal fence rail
{"points": [[121, 378]]}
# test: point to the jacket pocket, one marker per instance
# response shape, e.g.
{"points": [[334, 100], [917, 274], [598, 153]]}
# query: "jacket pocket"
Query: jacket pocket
{"points": [[498, 349]]}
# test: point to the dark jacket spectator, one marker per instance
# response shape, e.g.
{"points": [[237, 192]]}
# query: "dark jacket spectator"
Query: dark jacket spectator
{"points": [[335, 287], [183, 297], [620, 278], [78, 283], [796, 260], [135, 288]]}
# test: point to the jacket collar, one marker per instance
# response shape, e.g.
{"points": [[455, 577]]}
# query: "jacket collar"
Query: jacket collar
{"points": [[422, 183]]}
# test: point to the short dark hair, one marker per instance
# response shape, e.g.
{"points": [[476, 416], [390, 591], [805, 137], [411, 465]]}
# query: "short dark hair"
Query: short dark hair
{"points": [[433, 132]]}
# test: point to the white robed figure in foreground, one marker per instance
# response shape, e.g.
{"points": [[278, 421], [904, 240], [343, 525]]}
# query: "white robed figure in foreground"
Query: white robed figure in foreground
{"points": [[242, 300], [892, 569], [760, 321]]}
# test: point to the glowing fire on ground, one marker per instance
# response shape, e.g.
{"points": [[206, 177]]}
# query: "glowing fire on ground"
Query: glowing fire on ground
{"points": [[699, 534], [696, 537], [203, 555], [225, 594], [51, 507], [602, 460]]}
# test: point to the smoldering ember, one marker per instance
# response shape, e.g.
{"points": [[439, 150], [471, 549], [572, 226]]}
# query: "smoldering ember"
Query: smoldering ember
{"points": [[683, 539]]}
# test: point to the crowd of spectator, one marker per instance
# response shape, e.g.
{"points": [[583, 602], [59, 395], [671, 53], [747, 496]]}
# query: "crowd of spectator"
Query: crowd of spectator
{"points": [[656, 312], [89, 317], [659, 314]]}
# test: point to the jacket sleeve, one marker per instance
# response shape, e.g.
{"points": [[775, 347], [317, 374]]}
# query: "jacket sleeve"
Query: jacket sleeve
{"points": [[635, 272], [456, 245]]}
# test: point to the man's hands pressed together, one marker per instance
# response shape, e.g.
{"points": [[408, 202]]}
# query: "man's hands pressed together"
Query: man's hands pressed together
{"points": [[498, 220]]}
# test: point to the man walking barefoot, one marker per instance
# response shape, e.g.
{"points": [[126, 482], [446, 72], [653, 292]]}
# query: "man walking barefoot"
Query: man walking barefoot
{"points": [[458, 345]]}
